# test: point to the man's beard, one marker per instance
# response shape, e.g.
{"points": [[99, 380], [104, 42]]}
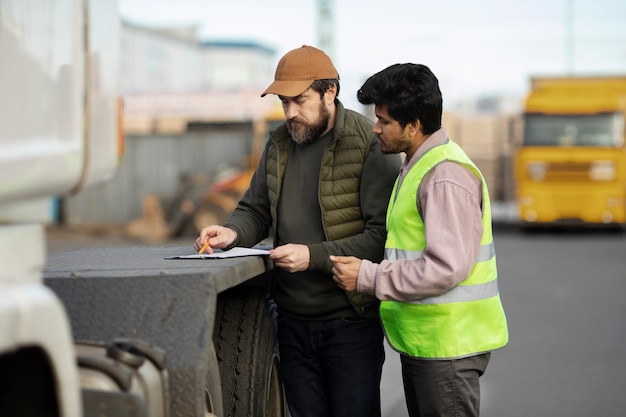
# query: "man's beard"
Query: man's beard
{"points": [[302, 133]]}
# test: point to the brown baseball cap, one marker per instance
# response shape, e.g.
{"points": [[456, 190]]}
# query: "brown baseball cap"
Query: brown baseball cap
{"points": [[297, 70]]}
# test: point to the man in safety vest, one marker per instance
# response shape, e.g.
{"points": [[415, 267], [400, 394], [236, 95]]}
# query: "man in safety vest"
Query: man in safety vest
{"points": [[440, 306]]}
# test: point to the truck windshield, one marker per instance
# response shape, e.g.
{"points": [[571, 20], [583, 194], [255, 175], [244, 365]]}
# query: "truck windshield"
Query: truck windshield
{"points": [[604, 130]]}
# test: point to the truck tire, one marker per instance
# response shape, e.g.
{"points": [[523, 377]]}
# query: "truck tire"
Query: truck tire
{"points": [[247, 353]]}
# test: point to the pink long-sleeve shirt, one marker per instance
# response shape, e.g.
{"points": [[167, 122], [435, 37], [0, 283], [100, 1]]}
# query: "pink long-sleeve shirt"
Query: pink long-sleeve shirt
{"points": [[450, 198]]}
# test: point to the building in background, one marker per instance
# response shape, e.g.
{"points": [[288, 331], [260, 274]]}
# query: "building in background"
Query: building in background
{"points": [[171, 79]]}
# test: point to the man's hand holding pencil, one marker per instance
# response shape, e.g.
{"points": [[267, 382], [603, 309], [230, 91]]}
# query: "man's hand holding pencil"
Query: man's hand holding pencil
{"points": [[214, 236]]}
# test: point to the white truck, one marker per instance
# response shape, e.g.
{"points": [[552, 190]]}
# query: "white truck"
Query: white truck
{"points": [[118, 331]]}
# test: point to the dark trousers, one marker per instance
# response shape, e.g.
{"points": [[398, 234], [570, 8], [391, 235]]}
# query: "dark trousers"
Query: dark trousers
{"points": [[331, 368], [438, 388]]}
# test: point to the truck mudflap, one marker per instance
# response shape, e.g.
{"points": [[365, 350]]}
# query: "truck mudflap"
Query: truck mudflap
{"points": [[126, 377]]}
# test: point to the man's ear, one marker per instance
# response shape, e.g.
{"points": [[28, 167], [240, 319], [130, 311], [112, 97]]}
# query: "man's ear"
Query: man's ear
{"points": [[414, 127], [331, 93]]}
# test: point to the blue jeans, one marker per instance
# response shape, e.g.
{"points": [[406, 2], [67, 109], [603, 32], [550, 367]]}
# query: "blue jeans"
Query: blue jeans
{"points": [[331, 368]]}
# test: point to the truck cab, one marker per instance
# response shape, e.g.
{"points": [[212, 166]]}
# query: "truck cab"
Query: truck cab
{"points": [[79, 329], [59, 133], [571, 167]]}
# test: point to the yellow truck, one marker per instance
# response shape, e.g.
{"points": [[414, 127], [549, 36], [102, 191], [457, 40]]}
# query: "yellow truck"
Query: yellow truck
{"points": [[571, 167]]}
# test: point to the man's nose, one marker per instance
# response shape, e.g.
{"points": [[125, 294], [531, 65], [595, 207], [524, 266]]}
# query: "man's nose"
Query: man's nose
{"points": [[290, 110]]}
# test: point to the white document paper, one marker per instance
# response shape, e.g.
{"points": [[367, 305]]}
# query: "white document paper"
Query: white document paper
{"points": [[232, 253]]}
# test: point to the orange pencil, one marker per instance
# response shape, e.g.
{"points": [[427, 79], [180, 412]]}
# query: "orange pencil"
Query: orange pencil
{"points": [[206, 245]]}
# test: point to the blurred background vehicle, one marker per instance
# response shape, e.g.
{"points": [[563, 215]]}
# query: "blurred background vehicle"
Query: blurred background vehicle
{"points": [[571, 166]]}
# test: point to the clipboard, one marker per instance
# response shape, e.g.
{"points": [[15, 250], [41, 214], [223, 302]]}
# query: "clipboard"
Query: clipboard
{"points": [[235, 252]]}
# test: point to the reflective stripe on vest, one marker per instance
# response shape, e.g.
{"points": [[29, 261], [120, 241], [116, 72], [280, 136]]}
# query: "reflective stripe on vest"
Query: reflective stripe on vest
{"points": [[485, 253], [466, 320]]}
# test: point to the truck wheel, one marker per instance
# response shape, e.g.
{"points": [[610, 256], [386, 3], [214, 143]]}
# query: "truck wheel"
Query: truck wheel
{"points": [[247, 354]]}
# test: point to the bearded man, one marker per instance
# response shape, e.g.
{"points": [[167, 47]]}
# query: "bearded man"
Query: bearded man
{"points": [[321, 188]]}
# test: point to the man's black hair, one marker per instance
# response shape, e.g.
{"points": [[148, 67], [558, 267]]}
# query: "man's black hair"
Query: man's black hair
{"points": [[410, 91]]}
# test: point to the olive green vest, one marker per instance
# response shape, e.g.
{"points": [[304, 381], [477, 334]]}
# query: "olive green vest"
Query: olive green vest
{"points": [[339, 183], [468, 319]]}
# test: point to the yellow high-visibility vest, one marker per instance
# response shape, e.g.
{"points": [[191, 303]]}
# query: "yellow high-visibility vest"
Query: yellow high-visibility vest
{"points": [[468, 319]]}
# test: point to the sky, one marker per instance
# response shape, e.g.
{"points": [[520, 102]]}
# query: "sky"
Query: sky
{"points": [[476, 48]]}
